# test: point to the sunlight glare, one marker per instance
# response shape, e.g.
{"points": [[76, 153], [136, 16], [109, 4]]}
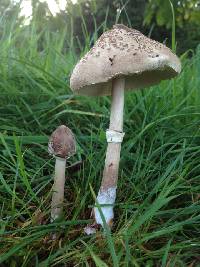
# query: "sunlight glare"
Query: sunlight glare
{"points": [[54, 7]]}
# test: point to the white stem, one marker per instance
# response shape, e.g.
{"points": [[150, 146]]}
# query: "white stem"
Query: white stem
{"points": [[117, 105], [58, 189], [107, 192]]}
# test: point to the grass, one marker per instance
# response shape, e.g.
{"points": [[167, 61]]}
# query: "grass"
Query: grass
{"points": [[158, 200]]}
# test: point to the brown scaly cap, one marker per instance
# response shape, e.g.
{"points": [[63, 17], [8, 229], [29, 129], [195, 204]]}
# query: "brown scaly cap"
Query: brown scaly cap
{"points": [[62, 142], [126, 52]]}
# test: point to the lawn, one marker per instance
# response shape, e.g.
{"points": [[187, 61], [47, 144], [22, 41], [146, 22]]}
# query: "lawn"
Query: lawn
{"points": [[157, 212]]}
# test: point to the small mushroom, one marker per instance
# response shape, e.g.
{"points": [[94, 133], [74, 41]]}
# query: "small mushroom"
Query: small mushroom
{"points": [[62, 146], [133, 61]]}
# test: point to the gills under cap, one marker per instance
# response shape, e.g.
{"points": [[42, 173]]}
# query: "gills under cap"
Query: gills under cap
{"points": [[123, 52]]}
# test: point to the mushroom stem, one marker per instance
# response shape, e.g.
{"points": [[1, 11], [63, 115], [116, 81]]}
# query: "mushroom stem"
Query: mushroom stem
{"points": [[58, 189], [107, 192]]}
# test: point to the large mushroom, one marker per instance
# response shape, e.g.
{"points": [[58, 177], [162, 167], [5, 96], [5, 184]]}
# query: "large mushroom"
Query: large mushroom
{"points": [[121, 59], [62, 146]]}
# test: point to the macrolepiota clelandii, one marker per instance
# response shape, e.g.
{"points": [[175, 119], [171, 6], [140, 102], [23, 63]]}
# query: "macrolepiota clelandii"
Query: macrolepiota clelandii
{"points": [[62, 146], [121, 59]]}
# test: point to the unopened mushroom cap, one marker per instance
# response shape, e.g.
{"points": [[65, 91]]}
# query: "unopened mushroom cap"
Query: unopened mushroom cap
{"points": [[123, 52], [62, 142]]}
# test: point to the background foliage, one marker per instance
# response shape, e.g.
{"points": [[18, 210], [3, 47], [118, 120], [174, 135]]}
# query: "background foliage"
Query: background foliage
{"points": [[86, 17]]}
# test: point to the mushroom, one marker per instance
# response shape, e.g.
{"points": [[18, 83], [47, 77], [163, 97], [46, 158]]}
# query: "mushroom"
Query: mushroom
{"points": [[62, 146], [121, 59]]}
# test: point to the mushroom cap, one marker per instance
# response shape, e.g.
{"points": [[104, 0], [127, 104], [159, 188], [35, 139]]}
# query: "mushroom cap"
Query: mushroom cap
{"points": [[62, 143], [127, 53]]}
